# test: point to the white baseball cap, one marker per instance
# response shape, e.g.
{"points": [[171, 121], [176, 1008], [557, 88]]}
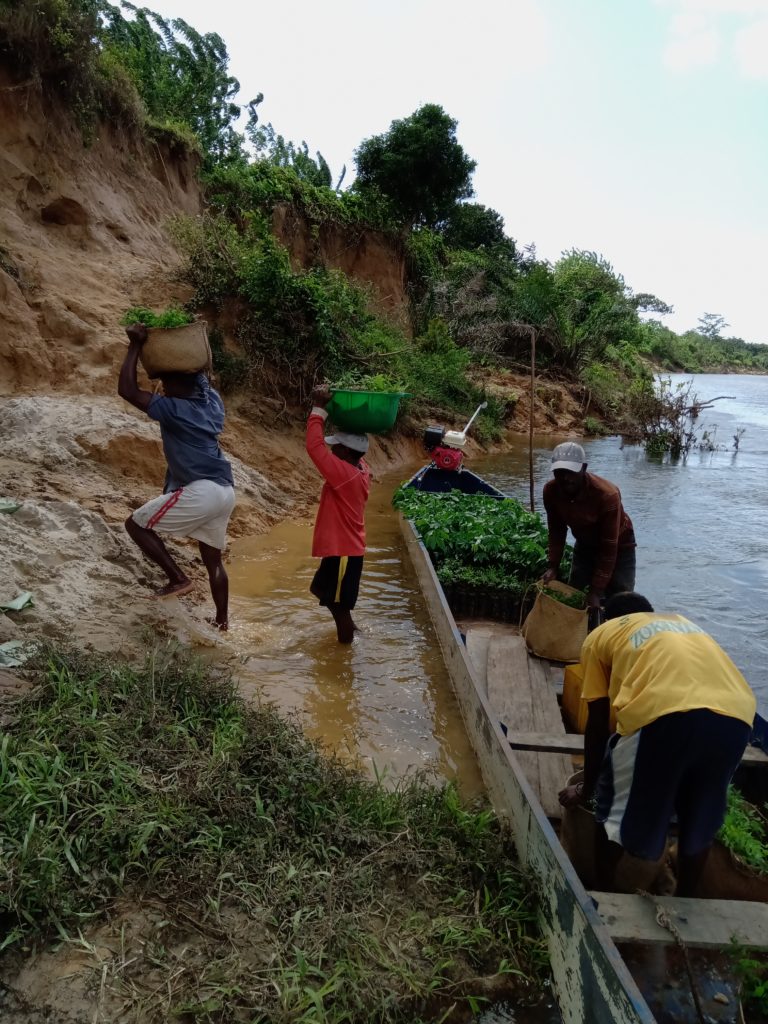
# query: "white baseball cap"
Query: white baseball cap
{"points": [[569, 455], [357, 442]]}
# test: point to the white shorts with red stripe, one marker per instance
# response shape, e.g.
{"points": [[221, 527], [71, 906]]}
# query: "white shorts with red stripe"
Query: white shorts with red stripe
{"points": [[200, 510]]}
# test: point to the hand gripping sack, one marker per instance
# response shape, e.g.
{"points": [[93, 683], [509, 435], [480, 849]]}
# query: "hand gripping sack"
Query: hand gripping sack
{"points": [[554, 630]]}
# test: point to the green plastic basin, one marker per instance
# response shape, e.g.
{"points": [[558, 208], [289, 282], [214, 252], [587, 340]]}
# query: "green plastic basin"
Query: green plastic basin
{"points": [[365, 412]]}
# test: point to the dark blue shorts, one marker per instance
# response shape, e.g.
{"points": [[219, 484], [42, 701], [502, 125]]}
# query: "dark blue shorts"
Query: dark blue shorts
{"points": [[681, 765], [337, 581]]}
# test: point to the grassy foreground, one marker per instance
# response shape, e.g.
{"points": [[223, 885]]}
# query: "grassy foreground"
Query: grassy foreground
{"points": [[291, 887]]}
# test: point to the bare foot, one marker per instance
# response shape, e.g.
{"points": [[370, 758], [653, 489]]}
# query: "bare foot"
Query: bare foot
{"points": [[174, 589], [221, 626]]}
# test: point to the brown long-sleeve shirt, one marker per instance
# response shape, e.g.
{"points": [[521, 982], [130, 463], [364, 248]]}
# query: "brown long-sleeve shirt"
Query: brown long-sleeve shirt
{"points": [[597, 520]]}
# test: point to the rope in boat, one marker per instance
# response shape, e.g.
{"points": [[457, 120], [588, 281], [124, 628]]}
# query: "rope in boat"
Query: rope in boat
{"points": [[665, 921]]}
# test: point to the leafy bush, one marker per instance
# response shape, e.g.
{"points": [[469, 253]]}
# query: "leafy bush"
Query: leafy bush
{"points": [[594, 426], [171, 317], [752, 969], [479, 531], [578, 600], [472, 226], [744, 831], [426, 256], [139, 69], [454, 572], [300, 326], [606, 386], [243, 190], [180, 74], [232, 370], [53, 38]]}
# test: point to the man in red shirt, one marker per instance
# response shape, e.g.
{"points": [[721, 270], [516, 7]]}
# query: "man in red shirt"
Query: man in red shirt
{"points": [[604, 553], [339, 538]]}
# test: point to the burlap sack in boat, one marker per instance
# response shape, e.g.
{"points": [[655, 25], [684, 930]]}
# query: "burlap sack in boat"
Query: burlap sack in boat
{"points": [[553, 630], [727, 877], [176, 350], [585, 843]]}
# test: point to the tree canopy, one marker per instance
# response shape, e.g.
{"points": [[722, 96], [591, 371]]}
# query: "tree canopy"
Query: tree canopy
{"points": [[711, 325], [180, 74], [472, 225], [418, 165]]}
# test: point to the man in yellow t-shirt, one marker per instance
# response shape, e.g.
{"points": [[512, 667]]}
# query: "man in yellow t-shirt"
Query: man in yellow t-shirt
{"points": [[684, 714]]}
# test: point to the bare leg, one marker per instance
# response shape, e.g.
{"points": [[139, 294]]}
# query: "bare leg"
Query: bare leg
{"points": [[153, 548], [219, 581], [345, 627]]}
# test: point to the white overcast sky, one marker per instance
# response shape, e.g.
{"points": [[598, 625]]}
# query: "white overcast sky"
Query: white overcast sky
{"points": [[635, 128]]}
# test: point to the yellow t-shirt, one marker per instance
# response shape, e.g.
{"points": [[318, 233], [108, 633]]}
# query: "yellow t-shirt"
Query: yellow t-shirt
{"points": [[651, 664]]}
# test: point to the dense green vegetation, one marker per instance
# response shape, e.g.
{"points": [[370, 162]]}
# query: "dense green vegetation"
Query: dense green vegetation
{"points": [[577, 600], [752, 969], [171, 317], [744, 832], [313, 893], [475, 298], [479, 541], [418, 166]]}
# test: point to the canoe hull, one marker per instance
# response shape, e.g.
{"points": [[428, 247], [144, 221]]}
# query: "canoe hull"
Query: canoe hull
{"points": [[590, 978]]}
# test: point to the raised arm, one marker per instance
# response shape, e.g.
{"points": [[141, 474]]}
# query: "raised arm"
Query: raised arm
{"points": [[335, 471], [127, 385]]}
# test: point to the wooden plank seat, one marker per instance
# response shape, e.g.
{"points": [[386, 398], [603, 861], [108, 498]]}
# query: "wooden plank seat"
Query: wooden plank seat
{"points": [[706, 924]]}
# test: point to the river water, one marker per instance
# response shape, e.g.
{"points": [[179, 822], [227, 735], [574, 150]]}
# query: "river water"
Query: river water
{"points": [[701, 523], [386, 700]]}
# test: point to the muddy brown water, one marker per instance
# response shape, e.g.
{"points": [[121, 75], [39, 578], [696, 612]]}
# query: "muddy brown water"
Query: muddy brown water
{"points": [[385, 700]]}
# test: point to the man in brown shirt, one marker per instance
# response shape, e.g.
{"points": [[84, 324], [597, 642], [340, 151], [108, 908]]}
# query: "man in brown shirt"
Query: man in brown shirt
{"points": [[604, 553]]}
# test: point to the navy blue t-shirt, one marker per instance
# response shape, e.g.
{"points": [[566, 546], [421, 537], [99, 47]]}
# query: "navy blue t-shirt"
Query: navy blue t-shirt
{"points": [[190, 429]]}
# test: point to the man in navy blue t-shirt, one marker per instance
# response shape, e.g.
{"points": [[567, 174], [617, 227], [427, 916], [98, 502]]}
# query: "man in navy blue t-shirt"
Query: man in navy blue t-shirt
{"points": [[199, 495]]}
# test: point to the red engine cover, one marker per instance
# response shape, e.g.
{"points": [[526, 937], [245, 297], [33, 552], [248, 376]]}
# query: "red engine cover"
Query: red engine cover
{"points": [[447, 458]]}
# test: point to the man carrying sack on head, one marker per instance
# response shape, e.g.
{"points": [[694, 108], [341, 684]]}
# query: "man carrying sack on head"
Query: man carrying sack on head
{"points": [[339, 538], [198, 496], [604, 553]]}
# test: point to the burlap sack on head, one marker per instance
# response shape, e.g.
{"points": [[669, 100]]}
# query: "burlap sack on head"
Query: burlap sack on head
{"points": [[553, 630], [176, 350]]}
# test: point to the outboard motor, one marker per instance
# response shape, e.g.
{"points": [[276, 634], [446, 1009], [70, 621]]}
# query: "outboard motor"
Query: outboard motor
{"points": [[446, 446]]}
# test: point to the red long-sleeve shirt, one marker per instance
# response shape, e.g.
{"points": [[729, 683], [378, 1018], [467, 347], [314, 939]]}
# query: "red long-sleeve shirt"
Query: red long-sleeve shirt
{"points": [[340, 523], [597, 520]]}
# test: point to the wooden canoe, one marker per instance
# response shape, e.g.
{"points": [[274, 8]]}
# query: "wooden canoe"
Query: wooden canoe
{"points": [[591, 980]]}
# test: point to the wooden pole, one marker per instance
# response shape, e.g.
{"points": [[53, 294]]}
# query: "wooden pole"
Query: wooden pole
{"points": [[530, 418]]}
